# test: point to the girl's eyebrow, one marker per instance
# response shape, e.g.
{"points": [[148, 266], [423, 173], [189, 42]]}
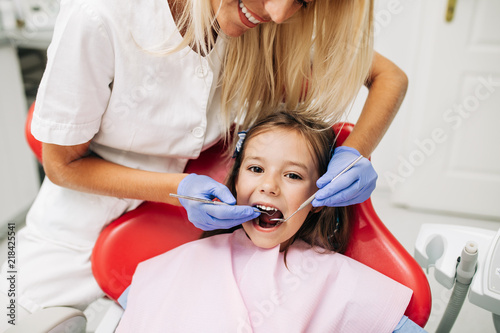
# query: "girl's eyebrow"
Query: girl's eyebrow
{"points": [[297, 164], [250, 157], [287, 162]]}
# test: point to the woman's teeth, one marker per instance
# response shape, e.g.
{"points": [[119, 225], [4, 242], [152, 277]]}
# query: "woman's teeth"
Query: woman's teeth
{"points": [[247, 14]]}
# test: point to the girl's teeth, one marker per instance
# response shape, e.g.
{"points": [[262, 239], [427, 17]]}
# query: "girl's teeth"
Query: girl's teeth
{"points": [[266, 208]]}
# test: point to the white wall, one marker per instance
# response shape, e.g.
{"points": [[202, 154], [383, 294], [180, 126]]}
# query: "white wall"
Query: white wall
{"points": [[18, 172]]}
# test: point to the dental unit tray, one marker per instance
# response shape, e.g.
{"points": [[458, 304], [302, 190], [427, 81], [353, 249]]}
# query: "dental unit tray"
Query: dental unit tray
{"points": [[439, 245]]}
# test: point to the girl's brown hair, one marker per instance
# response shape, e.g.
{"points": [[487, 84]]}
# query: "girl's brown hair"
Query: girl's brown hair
{"points": [[328, 227]]}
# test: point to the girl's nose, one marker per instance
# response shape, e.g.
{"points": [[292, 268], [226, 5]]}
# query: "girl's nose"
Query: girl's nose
{"points": [[281, 10], [269, 186]]}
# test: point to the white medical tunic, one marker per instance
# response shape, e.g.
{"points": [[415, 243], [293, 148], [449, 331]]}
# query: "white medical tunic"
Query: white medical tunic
{"points": [[108, 81]]}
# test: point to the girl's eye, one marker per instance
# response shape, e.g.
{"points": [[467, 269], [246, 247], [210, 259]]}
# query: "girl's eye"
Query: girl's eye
{"points": [[293, 176], [255, 169], [303, 3]]}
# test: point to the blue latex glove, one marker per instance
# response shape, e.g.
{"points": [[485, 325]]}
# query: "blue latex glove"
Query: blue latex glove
{"points": [[207, 216], [354, 186]]}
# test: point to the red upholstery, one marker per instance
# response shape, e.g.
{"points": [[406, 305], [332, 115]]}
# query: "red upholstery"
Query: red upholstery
{"points": [[154, 228], [35, 145], [374, 245]]}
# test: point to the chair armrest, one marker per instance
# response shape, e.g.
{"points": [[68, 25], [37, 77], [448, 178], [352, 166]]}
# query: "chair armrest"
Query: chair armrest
{"points": [[110, 321], [55, 319]]}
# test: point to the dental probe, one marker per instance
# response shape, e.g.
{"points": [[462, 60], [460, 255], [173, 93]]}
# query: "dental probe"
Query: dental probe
{"points": [[212, 202], [311, 198]]}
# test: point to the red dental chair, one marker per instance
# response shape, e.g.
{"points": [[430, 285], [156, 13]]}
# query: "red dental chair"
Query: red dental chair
{"points": [[154, 228]]}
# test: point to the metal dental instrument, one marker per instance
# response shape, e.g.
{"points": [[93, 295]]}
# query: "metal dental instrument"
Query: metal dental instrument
{"points": [[311, 198], [213, 202]]}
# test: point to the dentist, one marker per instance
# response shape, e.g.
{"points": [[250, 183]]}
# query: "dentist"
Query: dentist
{"points": [[134, 89]]}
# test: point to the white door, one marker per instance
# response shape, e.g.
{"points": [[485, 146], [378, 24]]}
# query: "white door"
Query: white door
{"points": [[452, 161]]}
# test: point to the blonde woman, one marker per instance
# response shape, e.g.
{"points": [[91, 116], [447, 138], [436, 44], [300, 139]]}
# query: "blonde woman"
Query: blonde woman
{"points": [[133, 89]]}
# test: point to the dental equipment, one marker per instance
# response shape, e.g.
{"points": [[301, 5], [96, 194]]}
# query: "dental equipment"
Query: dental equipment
{"points": [[213, 202], [311, 198], [466, 268], [437, 246]]}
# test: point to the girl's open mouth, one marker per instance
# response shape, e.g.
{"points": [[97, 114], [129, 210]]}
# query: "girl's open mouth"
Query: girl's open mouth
{"points": [[264, 220]]}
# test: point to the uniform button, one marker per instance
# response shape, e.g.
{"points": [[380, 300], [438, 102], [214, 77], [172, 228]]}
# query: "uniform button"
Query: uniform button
{"points": [[198, 132], [201, 71]]}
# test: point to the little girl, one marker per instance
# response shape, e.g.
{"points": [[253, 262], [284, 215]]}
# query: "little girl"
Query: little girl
{"points": [[264, 276]]}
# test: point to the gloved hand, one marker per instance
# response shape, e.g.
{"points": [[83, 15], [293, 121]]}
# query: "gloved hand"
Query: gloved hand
{"points": [[354, 186], [207, 216]]}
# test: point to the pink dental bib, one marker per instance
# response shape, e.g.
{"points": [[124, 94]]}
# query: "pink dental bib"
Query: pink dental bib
{"points": [[227, 284]]}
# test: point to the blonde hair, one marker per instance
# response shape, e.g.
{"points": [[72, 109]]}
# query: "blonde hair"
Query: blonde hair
{"points": [[315, 62], [196, 22]]}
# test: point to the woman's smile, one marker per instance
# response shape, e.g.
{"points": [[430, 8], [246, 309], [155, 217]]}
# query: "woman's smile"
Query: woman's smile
{"points": [[235, 17], [249, 18]]}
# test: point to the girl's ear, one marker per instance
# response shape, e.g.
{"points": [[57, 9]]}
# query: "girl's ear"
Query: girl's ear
{"points": [[316, 209]]}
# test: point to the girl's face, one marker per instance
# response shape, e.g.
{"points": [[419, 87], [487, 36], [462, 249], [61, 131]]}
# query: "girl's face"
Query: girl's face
{"points": [[237, 16], [278, 173]]}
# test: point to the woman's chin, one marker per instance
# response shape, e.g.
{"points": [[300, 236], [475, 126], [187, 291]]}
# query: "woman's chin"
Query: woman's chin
{"points": [[233, 32], [232, 29]]}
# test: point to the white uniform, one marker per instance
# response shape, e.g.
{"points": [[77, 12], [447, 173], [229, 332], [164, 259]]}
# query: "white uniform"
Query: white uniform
{"points": [[105, 83]]}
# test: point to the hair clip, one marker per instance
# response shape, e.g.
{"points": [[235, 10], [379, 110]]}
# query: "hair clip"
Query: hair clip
{"points": [[337, 223], [337, 227], [242, 135]]}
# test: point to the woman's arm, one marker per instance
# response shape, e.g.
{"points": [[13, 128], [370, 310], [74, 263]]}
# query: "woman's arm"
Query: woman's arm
{"points": [[387, 86], [73, 167]]}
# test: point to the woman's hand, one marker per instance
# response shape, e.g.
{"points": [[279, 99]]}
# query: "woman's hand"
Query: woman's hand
{"points": [[207, 216], [354, 186]]}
